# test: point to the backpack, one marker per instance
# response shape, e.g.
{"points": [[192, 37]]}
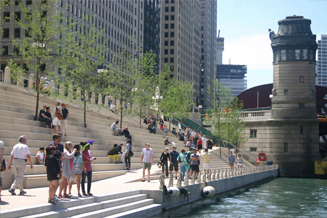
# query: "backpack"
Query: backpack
{"points": [[3, 165]]}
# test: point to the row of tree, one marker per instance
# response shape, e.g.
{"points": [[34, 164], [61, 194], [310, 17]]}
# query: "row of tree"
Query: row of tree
{"points": [[80, 54]]}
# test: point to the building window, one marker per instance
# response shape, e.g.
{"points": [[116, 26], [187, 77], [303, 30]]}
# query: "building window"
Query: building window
{"points": [[166, 60], [297, 54], [305, 54], [172, 17], [5, 33], [29, 2], [172, 26], [285, 147], [166, 17], [172, 9], [17, 16], [6, 16], [16, 50], [166, 9], [301, 105], [166, 26], [166, 34], [166, 43], [171, 60], [301, 79], [5, 50], [253, 133], [301, 129], [253, 149], [285, 91], [17, 2], [171, 51], [172, 34], [283, 55], [172, 43], [17, 32], [166, 51]]}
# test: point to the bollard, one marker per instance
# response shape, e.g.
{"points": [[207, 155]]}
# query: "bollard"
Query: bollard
{"points": [[62, 89], [30, 81], [99, 99], [171, 181], [70, 91], [217, 174], [106, 101], [7, 75], [204, 177], [209, 176], [86, 96], [179, 180], [193, 179], [162, 181], [226, 174], [187, 177], [198, 180]]}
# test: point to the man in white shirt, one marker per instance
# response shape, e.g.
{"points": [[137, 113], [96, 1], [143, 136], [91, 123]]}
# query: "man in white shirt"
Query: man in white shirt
{"points": [[204, 142], [147, 160], [117, 131], [20, 154]]}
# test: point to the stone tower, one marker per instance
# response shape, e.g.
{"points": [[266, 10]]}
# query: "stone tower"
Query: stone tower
{"points": [[293, 132]]}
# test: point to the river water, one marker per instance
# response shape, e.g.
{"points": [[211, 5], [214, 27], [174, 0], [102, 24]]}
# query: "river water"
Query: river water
{"points": [[281, 197]]}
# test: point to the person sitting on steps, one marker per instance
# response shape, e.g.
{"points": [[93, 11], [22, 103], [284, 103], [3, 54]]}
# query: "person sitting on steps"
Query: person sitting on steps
{"points": [[44, 118], [115, 129]]}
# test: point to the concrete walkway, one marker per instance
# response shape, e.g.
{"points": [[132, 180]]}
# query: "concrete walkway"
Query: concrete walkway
{"points": [[38, 196]]}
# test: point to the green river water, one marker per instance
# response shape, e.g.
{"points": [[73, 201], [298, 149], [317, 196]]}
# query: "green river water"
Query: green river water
{"points": [[281, 197]]}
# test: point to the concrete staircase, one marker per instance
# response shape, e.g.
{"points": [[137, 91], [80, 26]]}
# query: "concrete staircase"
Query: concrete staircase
{"points": [[125, 204], [16, 117]]}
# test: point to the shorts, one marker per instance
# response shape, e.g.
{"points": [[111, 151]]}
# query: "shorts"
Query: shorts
{"points": [[199, 146], [195, 168], [231, 164], [206, 166], [147, 166], [239, 164], [56, 122], [174, 165]]}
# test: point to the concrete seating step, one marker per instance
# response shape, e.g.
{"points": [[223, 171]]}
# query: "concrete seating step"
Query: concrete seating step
{"points": [[116, 209], [147, 211], [87, 208]]}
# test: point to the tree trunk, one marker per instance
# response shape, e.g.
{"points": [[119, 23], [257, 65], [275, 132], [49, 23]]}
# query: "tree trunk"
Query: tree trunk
{"points": [[140, 115], [121, 112], [37, 89], [84, 109]]}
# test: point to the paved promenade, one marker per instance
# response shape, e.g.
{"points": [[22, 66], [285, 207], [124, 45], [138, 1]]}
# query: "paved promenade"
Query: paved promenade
{"points": [[38, 196]]}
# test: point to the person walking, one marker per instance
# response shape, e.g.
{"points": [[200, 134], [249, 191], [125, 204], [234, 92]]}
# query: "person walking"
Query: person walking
{"points": [[87, 159], [164, 161], [239, 161], [206, 161], [128, 154], [147, 160], [19, 154], [258, 161], [65, 114], [173, 161], [231, 160], [182, 160], [2, 148], [53, 172]]}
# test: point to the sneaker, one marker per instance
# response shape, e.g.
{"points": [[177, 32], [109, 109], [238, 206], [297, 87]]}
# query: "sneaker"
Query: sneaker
{"points": [[12, 191], [90, 194], [22, 193], [84, 194], [175, 177], [79, 195], [56, 199]]}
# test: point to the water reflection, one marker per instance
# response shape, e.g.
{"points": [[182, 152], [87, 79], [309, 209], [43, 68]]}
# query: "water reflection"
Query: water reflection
{"points": [[281, 197]]}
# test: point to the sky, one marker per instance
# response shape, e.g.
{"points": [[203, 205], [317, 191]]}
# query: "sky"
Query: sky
{"points": [[244, 24]]}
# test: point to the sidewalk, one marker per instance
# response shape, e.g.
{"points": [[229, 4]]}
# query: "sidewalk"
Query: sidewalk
{"points": [[38, 196]]}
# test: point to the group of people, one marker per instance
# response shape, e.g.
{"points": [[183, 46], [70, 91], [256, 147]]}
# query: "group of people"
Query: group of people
{"points": [[118, 132], [150, 121], [188, 162], [67, 162], [231, 160], [59, 119]]}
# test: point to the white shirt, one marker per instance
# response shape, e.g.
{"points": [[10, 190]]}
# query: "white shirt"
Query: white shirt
{"points": [[2, 145], [40, 154], [113, 127], [112, 107], [20, 151], [204, 142]]}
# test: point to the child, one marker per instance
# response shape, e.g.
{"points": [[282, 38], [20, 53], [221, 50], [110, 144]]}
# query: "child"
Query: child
{"points": [[79, 167], [40, 156]]}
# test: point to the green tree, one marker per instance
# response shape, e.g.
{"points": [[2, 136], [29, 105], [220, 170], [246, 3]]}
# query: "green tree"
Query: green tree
{"points": [[38, 50], [81, 56], [177, 99], [4, 4], [144, 88]]}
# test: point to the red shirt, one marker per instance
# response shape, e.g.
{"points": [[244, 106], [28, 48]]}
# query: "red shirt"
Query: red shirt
{"points": [[87, 156], [199, 142]]}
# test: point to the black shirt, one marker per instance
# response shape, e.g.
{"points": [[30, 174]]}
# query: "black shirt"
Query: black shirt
{"points": [[42, 112], [164, 157], [64, 113], [53, 167]]}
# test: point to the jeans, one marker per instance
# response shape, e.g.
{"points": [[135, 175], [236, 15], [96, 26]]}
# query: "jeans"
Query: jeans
{"points": [[183, 171], [163, 167], [127, 161], [154, 130], [89, 181]]}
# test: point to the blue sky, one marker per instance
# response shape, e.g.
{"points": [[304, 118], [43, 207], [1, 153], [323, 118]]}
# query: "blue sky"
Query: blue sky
{"points": [[244, 24]]}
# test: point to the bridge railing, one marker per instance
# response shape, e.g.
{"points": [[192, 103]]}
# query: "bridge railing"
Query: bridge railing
{"points": [[214, 175]]}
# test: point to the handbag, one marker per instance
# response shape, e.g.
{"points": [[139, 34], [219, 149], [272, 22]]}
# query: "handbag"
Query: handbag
{"points": [[159, 164], [130, 153], [3, 165]]}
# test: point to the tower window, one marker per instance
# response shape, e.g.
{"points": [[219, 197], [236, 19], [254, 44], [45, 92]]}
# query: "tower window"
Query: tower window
{"points": [[253, 133], [301, 105], [285, 147], [301, 79], [285, 91], [297, 54], [301, 129]]}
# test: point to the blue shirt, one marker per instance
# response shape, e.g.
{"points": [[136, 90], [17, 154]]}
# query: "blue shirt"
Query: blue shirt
{"points": [[64, 113], [59, 150], [174, 154], [231, 158]]}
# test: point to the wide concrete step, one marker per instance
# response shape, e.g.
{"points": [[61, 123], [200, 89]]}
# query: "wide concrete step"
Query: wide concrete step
{"points": [[148, 211]]}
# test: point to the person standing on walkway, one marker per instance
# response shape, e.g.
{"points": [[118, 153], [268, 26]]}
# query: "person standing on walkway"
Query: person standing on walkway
{"points": [[147, 160], [79, 167], [206, 161], [195, 163], [239, 161], [2, 147], [120, 153], [173, 161], [182, 160], [204, 142], [57, 114], [231, 160], [128, 154], [87, 159], [53, 172], [19, 154], [65, 114], [164, 161]]}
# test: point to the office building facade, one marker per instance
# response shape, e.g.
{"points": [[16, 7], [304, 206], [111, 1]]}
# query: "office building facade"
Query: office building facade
{"points": [[220, 49], [321, 68]]}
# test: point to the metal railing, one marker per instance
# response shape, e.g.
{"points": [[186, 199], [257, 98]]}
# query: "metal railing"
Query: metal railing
{"points": [[214, 175]]}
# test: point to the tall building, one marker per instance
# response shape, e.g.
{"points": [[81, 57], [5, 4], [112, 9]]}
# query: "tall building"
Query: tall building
{"points": [[152, 13], [321, 68], [232, 77], [220, 49], [121, 19], [178, 38], [208, 50]]}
